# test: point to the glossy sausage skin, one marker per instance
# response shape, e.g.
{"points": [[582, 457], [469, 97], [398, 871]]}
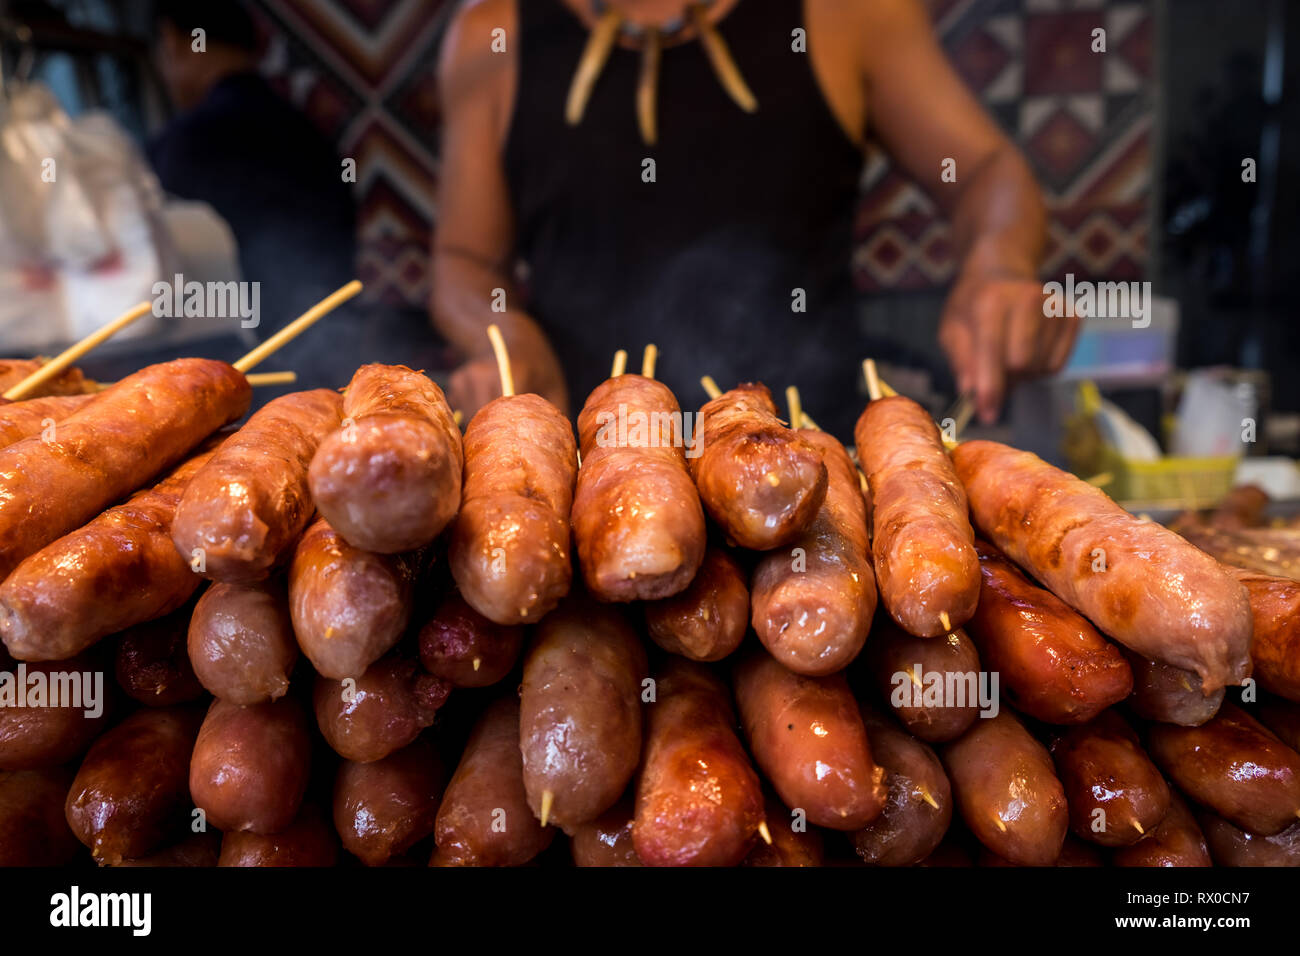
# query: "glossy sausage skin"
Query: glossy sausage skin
{"points": [[1007, 790], [33, 416], [484, 818], [71, 381], [245, 509], [348, 606], [812, 607], [808, 739], [637, 520], [33, 830], [789, 846], [132, 790], [35, 738], [707, 621], [606, 840], [383, 711], [464, 648], [196, 850], [760, 481], [1282, 717], [1052, 664], [915, 675], [389, 479], [250, 765], [308, 841], [1178, 841], [241, 641], [698, 800], [509, 549], [1275, 650], [1115, 792], [382, 809], [918, 805], [1231, 846], [152, 663], [53, 605], [1170, 694], [1234, 766], [1073, 853], [923, 543], [580, 711], [1158, 595], [139, 427]]}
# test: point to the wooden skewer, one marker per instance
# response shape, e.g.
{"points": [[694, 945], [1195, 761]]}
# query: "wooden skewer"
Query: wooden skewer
{"points": [[945, 621], [809, 423], [594, 55], [477, 662], [298, 326], [794, 405], [1101, 480], [620, 364], [458, 417], [503, 360], [256, 379], [548, 798], [647, 87], [873, 380], [710, 386], [998, 820], [65, 358], [648, 359], [765, 833], [1138, 827], [929, 798], [720, 57]]}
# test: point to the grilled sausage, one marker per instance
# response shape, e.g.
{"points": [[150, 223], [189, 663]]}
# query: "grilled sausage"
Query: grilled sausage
{"points": [[923, 544], [484, 818], [241, 641], [132, 791], [1073, 853], [918, 807], [37, 733], [1282, 717], [1052, 664], [1007, 790], [789, 846], [196, 850], [760, 481], [1275, 649], [137, 428], [1231, 846], [382, 809], [389, 479], [464, 648], [1170, 694], [152, 664], [606, 840], [1116, 794], [250, 764], [698, 800], [509, 549], [33, 830], [1234, 766], [933, 686], [348, 606], [580, 712], [247, 507], [52, 606], [812, 605], [34, 416], [308, 841], [707, 621], [1178, 841], [808, 739], [383, 710], [1157, 595], [637, 520]]}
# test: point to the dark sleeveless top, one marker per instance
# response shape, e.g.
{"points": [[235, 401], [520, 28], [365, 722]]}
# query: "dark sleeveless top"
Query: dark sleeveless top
{"points": [[705, 261]]}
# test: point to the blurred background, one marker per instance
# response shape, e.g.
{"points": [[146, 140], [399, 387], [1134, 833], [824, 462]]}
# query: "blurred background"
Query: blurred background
{"points": [[1139, 152]]}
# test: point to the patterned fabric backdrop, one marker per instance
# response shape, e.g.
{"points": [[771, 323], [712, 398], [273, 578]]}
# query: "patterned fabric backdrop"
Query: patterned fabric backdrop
{"points": [[364, 70]]}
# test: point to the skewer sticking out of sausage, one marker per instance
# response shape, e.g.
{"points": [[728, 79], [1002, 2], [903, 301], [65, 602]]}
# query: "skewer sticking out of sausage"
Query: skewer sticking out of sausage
{"points": [[381, 711], [53, 606], [1139, 583], [243, 512], [760, 481], [918, 805], [113, 445], [241, 641], [580, 712], [708, 620], [933, 686], [389, 479], [793, 844], [1234, 766], [151, 662], [813, 603], [348, 606], [808, 738], [1116, 794], [37, 416], [1170, 694], [509, 549], [698, 800], [1008, 791], [1177, 841], [484, 818], [464, 648], [1052, 663], [1275, 649], [925, 559]]}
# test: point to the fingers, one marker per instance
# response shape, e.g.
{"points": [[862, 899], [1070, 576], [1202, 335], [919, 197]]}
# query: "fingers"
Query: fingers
{"points": [[958, 344], [988, 381]]}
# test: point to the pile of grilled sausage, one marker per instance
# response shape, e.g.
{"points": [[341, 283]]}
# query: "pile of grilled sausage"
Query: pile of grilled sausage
{"points": [[347, 632]]}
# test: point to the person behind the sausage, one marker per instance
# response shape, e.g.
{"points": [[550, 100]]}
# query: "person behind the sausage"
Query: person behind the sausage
{"points": [[717, 222]]}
